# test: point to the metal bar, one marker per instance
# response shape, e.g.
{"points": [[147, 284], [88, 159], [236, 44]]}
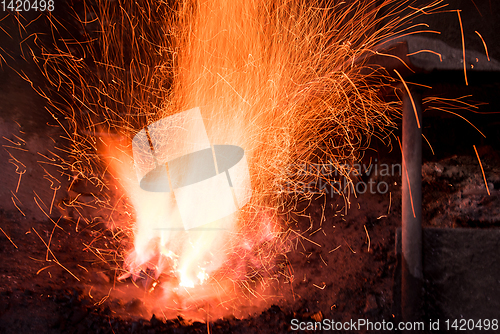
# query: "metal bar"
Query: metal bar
{"points": [[411, 280]]}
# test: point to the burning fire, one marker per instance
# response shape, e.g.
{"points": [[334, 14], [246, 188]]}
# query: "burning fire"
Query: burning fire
{"points": [[285, 81]]}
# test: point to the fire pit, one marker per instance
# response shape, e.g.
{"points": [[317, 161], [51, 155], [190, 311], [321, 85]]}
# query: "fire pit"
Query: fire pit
{"points": [[271, 206]]}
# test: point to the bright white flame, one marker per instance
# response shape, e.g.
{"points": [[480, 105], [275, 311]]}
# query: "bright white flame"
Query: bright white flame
{"points": [[175, 155], [202, 276], [184, 280], [186, 198]]}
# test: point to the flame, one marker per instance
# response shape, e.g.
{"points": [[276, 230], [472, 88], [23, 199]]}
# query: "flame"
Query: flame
{"points": [[262, 76], [200, 265], [286, 80]]}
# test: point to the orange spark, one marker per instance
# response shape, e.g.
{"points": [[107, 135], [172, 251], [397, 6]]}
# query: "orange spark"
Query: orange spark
{"points": [[407, 179], [430, 51], [410, 96], [463, 47], [12, 242], [482, 170], [484, 44]]}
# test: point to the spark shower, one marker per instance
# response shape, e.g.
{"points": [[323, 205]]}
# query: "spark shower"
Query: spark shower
{"points": [[186, 116]]}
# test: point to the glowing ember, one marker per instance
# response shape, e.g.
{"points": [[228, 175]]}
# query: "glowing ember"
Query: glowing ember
{"points": [[199, 106]]}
